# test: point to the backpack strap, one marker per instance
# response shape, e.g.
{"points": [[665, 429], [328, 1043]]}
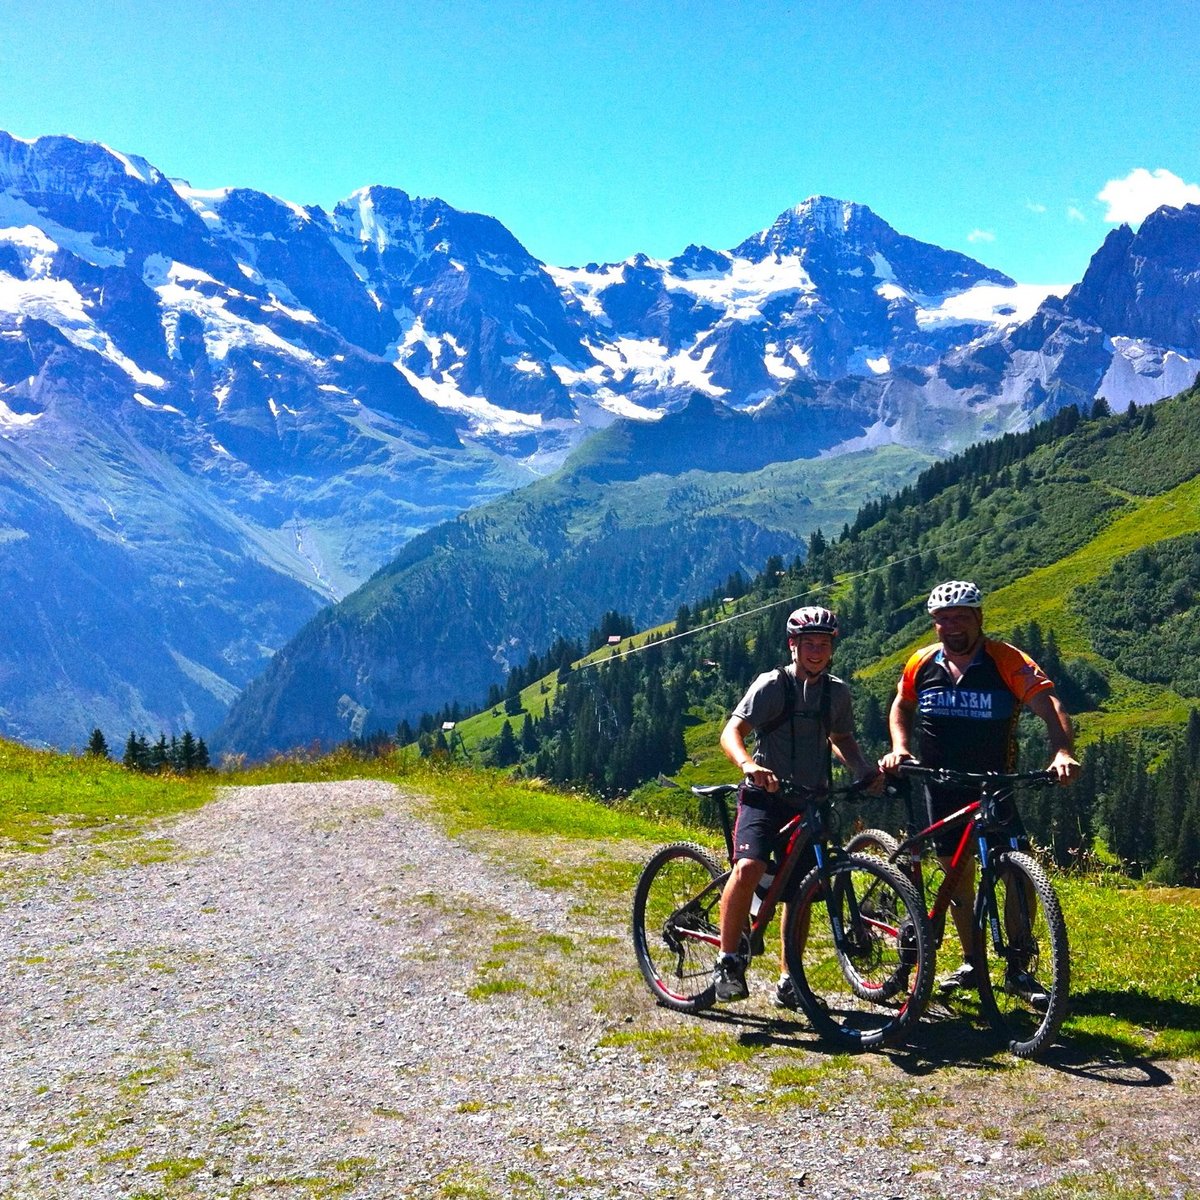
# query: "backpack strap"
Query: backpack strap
{"points": [[789, 715], [789, 704]]}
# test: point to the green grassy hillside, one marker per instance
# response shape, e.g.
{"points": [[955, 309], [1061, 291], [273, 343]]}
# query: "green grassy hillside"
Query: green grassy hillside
{"points": [[469, 599], [1084, 534], [1058, 517]]}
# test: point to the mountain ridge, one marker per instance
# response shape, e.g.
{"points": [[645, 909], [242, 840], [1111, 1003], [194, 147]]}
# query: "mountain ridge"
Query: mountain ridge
{"points": [[226, 382]]}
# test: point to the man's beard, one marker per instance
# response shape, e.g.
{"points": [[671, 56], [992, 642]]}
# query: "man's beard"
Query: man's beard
{"points": [[959, 642]]}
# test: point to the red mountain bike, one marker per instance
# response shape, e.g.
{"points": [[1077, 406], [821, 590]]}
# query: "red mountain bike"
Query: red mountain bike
{"points": [[1020, 952], [858, 944]]}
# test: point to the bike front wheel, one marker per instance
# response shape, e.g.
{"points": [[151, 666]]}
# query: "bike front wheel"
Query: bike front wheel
{"points": [[676, 919], [1025, 985], [859, 951]]}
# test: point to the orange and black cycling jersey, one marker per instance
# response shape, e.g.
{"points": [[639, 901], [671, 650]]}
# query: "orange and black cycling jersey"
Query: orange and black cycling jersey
{"points": [[970, 724]]}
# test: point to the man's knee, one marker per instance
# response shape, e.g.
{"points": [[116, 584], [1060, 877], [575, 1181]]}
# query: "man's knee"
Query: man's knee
{"points": [[748, 871]]}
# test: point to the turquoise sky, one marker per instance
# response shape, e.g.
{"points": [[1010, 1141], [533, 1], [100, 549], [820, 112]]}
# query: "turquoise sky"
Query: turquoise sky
{"points": [[594, 131]]}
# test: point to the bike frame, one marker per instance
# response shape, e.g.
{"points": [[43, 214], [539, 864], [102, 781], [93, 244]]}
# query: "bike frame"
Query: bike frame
{"points": [[807, 827], [975, 828]]}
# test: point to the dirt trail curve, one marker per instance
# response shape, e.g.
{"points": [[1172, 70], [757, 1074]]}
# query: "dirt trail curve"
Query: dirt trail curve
{"points": [[278, 1002]]}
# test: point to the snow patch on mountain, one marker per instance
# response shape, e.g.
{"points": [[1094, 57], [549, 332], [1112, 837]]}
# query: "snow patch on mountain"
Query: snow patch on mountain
{"points": [[17, 420], [650, 362], [1141, 373], [59, 303], [185, 289], [988, 303], [22, 224], [748, 286], [483, 416]]}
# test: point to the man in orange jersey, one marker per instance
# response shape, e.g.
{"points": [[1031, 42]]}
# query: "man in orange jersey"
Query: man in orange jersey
{"points": [[962, 696]]}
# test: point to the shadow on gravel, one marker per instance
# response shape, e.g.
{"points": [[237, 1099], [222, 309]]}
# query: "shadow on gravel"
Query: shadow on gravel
{"points": [[946, 1038], [1121, 1072], [956, 1042], [790, 1033]]}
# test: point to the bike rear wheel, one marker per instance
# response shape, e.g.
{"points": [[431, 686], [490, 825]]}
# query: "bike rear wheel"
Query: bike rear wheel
{"points": [[859, 951], [676, 934], [1030, 946], [873, 841], [928, 877]]}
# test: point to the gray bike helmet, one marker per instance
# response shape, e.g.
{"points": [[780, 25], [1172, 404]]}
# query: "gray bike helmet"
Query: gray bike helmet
{"points": [[813, 619], [954, 593]]}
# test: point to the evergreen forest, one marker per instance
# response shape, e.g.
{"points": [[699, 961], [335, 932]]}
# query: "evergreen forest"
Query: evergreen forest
{"points": [[1084, 533]]}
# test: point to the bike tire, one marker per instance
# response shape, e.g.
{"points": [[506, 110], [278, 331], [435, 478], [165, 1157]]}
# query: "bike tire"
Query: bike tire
{"points": [[1039, 946], [675, 926], [873, 841], [872, 988], [884, 845]]}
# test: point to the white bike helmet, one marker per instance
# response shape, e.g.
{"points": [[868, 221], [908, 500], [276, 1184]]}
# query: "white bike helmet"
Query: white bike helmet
{"points": [[813, 619], [954, 593]]}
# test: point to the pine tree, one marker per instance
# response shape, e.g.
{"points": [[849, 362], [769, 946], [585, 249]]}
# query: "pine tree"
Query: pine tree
{"points": [[1187, 849], [1192, 737], [529, 738], [187, 752], [505, 752], [160, 755], [97, 746], [130, 760]]}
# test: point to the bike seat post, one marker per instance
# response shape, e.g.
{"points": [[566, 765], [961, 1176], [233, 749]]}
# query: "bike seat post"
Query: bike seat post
{"points": [[726, 825]]}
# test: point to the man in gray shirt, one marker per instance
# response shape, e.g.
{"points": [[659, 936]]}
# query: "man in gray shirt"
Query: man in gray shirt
{"points": [[800, 715]]}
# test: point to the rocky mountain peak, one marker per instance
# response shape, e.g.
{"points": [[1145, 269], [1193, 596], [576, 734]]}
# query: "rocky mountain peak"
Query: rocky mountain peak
{"points": [[817, 219], [1146, 284]]}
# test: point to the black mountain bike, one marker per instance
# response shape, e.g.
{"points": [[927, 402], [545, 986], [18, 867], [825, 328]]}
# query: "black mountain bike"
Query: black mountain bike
{"points": [[1020, 933], [857, 941]]}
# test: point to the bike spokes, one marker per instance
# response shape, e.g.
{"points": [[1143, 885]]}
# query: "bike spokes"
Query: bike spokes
{"points": [[675, 925], [862, 970]]}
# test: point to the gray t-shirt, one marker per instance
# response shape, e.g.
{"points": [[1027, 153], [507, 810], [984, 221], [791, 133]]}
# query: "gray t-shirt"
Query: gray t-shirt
{"points": [[765, 700]]}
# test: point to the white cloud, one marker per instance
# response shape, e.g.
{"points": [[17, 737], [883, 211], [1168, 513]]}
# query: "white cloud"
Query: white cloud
{"points": [[1075, 214], [1035, 207], [1136, 196], [981, 235]]}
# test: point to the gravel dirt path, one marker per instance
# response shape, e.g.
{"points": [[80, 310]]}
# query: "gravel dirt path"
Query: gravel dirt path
{"points": [[286, 994]]}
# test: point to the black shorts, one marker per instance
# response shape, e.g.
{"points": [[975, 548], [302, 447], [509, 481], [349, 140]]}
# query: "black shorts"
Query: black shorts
{"points": [[760, 816], [942, 801]]}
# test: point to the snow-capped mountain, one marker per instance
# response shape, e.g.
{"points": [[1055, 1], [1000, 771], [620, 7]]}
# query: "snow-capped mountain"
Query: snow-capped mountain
{"points": [[1129, 331], [220, 410], [829, 290]]}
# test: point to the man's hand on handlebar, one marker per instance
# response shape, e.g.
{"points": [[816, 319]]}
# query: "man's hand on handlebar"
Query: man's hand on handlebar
{"points": [[893, 758], [759, 777], [1064, 766]]}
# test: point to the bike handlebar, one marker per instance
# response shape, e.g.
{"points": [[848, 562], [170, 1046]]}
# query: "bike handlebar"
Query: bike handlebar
{"points": [[995, 778], [721, 790]]}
